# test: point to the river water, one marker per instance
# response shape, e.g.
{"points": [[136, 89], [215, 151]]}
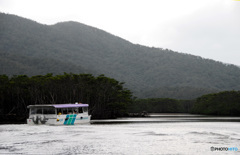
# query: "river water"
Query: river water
{"points": [[161, 134]]}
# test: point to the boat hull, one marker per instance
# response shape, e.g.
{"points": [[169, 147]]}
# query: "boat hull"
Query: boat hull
{"points": [[69, 119]]}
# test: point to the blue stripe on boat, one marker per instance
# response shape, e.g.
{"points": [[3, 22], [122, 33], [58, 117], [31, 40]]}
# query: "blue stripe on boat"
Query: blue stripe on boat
{"points": [[74, 118], [66, 120]]}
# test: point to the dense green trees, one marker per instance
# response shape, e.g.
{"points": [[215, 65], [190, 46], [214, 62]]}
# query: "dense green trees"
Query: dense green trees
{"points": [[161, 105], [226, 103], [107, 97], [223, 103]]}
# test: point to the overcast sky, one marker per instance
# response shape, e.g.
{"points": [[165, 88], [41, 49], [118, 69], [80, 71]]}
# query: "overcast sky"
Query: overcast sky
{"points": [[206, 28]]}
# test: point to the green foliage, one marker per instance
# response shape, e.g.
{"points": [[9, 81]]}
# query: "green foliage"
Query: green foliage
{"points": [[161, 105], [223, 103], [29, 48], [107, 97]]}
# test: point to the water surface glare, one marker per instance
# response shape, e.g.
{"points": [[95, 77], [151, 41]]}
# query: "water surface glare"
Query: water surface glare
{"points": [[121, 138]]}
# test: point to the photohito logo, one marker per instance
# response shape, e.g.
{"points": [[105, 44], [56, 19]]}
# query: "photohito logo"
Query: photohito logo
{"points": [[224, 148]]}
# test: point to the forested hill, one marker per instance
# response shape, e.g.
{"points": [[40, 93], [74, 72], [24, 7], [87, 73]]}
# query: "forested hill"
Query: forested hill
{"points": [[27, 47]]}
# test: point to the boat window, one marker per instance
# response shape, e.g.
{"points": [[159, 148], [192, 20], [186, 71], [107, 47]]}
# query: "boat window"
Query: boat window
{"points": [[39, 111], [33, 111], [70, 111], [75, 110], [80, 110], [36, 111], [59, 111], [64, 111], [48, 111], [85, 109]]}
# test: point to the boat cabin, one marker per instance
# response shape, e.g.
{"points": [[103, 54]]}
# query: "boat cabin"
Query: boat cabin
{"points": [[58, 114]]}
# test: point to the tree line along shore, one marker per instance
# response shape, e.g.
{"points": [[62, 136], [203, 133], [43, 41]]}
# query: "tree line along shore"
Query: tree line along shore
{"points": [[107, 97]]}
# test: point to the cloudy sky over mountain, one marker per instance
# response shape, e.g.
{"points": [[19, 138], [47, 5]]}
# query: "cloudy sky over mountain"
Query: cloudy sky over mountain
{"points": [[207, 28]]}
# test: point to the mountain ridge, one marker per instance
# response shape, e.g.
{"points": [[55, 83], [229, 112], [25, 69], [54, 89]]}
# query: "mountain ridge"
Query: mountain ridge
{"points": [[78, 48]]}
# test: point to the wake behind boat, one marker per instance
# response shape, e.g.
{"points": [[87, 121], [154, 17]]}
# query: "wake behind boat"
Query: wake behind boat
{"points": [[58, 114]]}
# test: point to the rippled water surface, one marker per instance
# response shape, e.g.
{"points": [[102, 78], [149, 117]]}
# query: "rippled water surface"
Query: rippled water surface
{"points": [[121, 138]]}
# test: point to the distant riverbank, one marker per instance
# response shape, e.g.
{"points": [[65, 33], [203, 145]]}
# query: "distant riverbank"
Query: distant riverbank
{"points": [[168, 117], [151, 118]]}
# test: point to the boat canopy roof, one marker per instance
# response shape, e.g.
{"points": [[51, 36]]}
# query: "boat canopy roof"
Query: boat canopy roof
{"points": [[58, 106]]}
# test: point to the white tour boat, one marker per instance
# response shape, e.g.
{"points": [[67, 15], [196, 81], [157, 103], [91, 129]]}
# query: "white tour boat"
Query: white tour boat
{"points": [[58, 114]]}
